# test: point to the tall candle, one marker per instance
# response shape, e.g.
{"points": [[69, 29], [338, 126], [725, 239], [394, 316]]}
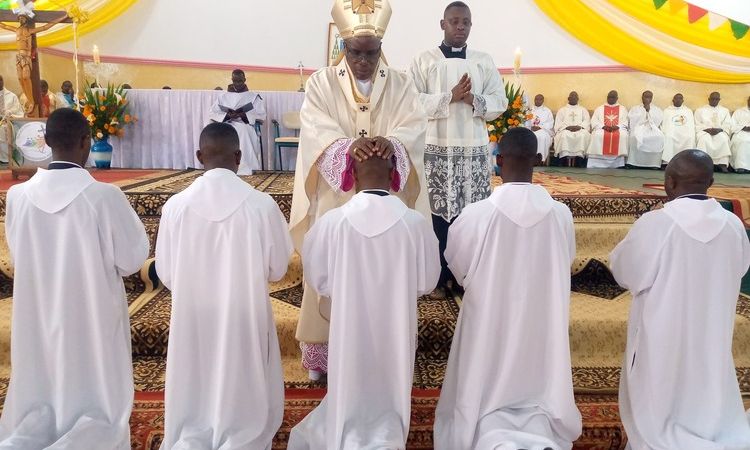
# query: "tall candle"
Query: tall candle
{"points": [[95, 54], [517, 60]]}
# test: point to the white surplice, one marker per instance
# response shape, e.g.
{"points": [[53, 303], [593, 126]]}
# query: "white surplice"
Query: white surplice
{"points": [[249, 142], [220, 242], [12, 107], [542, 118], [740, 144], [679, 131], [646, 138], [608, 150], [572, 143], [457, 159], [372, 257], [332, 117], [678, 388], [508, 383], [716, 146], [72, 239]]}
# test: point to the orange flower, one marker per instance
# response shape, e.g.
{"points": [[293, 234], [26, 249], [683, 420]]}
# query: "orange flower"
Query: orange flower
{"points": [[127, 118], [493, 138], [112, 130], [102, 108], [102, 98]]}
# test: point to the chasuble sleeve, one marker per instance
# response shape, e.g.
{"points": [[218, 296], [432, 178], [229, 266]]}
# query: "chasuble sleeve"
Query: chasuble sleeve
{"points": [[317, 255], [278, 241], [560, 121], [635, 260], [597, 120], [739, 121], [726, 123], [436, 106], [121, 226], [493, 92], [13, 106]]}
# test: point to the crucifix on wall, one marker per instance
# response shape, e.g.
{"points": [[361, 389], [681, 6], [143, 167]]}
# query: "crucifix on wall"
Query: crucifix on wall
{"points": [[27, 61]]}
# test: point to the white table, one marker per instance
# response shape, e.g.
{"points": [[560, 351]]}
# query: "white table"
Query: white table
{"points": [[170, 123]]}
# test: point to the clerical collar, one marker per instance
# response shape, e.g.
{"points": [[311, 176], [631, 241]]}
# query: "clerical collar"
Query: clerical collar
{"points": [[452, 52], [364, 87], [54, 165], [694, 196], [379, 192]]}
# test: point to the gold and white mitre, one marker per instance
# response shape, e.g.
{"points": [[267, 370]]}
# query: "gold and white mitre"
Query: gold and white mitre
{"points": [[361, 17]]}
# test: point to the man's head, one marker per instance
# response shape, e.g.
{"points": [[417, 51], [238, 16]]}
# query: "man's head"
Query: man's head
{"points": [[678, 100], [538, 100], [168, 88], [647, 97], [456, 24], [714, 99], [573, 98], [2, 83], [238, 80], [69, 135], [689, 172], [44, 86], [127, 86], [612, 98], [218, 88], [518, 155], [219, 147], [373, 173], [362, 55]]}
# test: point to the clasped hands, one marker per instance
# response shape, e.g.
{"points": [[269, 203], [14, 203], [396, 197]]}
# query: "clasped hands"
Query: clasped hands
{"points": [[713, 131], [366, 148], [462, 91], [610, 128]]}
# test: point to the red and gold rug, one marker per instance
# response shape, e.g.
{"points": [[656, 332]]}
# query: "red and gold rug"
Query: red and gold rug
{"points": [[119, 177], [601, 419], [739, 196]]}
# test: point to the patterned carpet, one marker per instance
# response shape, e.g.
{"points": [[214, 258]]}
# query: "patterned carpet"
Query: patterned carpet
{"points": [[602, 428]]}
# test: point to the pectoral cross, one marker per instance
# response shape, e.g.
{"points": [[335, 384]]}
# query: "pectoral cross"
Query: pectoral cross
{"points": [[27, 61]]}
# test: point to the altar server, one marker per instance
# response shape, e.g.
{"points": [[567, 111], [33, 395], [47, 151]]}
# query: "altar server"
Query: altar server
{"points": [[572, 130], [713, 124], [72, 239], [11, 107], [678, 127], [220, 242], [542, 124], [357, 109], [741, 139], [609, 134], [460, 89], [683, 264], [646, 138], [508, 383], [241, 108], [372, 257]]}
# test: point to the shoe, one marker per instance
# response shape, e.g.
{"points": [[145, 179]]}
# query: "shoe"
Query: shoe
{"points": [[742, 170], [723, 168]]}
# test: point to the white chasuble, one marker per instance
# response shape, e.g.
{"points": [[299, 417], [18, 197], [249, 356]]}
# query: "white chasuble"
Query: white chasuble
{"points": [[608, 149], [330, 114], [220, 242], [249, 141], [373, 257], [679, 131], [508, 383], [572, 143], [646, 138], [716, 146], [457, 160], [678, 389], [542, 117], [741, 139], [72, 239]]}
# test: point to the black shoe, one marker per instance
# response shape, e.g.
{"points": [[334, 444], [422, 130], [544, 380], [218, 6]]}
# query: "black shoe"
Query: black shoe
{"points": [[742, 171], [722, 168]]}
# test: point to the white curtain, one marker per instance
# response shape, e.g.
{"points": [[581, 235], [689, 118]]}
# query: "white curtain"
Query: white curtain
{"points": [[170, 123]]}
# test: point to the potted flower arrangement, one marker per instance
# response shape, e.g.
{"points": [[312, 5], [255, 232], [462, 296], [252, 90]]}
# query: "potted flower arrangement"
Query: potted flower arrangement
{"points": [[514, 116], [107, 113]]}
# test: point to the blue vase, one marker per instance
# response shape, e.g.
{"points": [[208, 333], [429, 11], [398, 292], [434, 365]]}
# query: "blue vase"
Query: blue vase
{"points": [[101, 152]]}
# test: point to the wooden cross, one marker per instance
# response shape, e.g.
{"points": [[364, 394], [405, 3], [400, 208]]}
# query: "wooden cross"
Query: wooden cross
{"points": [[26, 31]]}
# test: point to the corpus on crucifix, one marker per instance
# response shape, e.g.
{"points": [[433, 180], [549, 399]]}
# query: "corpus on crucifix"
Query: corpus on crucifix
{"points": [[27, 63]]}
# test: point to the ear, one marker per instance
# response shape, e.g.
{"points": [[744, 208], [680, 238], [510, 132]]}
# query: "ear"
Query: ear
{"points": [[238, 157], [499, 160], [199, 155], [442, 24], [711, 183], [538, 159]]}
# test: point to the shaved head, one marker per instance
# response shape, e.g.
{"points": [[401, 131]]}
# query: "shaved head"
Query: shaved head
{"points": [[219, 147], [689, 172], [518, 155], [373, 173]]}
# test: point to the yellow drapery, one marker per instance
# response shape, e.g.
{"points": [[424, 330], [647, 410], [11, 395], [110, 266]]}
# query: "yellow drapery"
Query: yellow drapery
{"points": [[100, 13], [622, 37]]}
